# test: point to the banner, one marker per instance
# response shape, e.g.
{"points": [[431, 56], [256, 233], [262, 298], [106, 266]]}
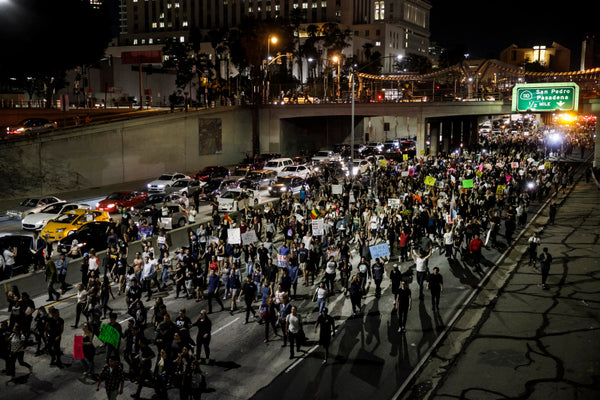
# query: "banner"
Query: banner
{"points": [[380, 250], [109, 335], [233, 236]]}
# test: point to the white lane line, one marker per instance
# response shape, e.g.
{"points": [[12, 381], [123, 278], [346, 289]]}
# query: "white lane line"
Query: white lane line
{"points": [[224, 326], [299, 360]]}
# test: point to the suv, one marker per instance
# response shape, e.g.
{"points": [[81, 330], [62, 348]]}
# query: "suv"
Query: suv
{"points": [[258, 178], [277, 164]]}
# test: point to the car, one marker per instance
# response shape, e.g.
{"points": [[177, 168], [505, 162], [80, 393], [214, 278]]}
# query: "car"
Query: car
{"points": [[185, 187], [301, 171], [218, 186], [31, 125], [286, 184], [124, 198], [164, 181], [325, 155], [211, 172], [229, 201], [241, 170], [36, 221], [92, 235], [69, 222], [360, 166], [258, 178], [24, 257], [176, 212], [157, 199], [277, 164], [31, 205]]}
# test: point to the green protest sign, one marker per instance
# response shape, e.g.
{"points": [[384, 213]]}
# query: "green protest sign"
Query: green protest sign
{"points": [[109, 335], [467, 183]]}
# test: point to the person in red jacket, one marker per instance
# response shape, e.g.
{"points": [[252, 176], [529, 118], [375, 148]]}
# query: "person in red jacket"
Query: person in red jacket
{"points": [[475, 247]]}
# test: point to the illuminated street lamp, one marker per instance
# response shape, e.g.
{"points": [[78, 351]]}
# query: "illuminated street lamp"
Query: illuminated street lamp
{"points": [[338, 61], [270, 39]]}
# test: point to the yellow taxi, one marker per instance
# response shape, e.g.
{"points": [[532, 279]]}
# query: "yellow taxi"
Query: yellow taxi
{"points": [[69, 222]]}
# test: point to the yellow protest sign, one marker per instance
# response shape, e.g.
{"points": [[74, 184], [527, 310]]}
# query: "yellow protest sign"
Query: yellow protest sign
{"points": [[500, 189], [430, 180], [405, 157], [547, 165]]}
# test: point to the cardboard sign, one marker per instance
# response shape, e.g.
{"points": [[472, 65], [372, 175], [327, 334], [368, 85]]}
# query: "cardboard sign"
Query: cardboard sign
{"points": [[109, 335], [317, 227], [249, 237], [394, 203], [234, 236], [380, 250]]}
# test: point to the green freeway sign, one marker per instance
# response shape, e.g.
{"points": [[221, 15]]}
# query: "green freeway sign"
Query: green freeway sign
{"points": [[560, 96]]}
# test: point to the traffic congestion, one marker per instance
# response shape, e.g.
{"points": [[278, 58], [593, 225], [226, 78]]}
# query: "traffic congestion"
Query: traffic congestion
{"points": [[285, 232]]}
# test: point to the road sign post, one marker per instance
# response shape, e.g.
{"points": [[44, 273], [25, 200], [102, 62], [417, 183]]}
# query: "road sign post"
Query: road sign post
{"points": [[540, 97]]}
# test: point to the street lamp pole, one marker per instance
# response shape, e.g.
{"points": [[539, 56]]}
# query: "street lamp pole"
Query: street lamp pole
{"points": [[270, 39], [338, 60]]}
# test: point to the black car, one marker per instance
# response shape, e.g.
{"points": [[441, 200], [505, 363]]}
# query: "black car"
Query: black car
{"points": [[24, 257], [286, 184], [211, 172], [92, 235], [31, 125]]}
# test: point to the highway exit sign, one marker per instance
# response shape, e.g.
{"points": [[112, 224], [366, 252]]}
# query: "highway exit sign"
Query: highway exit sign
{"points": [[559, 96]]}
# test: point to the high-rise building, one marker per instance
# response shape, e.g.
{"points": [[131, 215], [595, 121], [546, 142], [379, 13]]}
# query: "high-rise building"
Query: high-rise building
{"points": [[590, 53]]}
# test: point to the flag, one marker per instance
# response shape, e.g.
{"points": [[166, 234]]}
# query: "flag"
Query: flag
{"points": [[228, 219], [314, 214]]}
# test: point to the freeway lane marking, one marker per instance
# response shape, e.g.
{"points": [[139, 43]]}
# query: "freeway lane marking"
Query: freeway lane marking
{"points": [[301, 358], [224, 326]]}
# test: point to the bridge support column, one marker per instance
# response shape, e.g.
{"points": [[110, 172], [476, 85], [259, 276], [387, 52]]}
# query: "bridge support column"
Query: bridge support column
{"points": [[434, 137], [420, 136]]}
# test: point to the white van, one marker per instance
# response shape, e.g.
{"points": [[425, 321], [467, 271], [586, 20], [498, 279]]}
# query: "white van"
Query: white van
{"points": [[278, 164]]}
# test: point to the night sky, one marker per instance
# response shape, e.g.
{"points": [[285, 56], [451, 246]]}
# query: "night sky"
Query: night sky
{"points": [[485, 28]]}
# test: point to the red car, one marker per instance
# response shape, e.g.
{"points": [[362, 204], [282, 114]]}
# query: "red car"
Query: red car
{"points": [[126, 199]]}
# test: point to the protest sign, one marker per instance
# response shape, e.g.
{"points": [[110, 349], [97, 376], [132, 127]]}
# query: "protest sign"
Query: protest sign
{"points": [[233, 236], [467, 183], [380, 250], [249, 237], [336, 189], [394, 203], [500, 189], [429, 180], [317, 227], [109, 335], [78, 347]]}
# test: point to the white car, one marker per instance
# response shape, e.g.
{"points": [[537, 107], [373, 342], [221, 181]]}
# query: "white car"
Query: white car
{"points": [[228, 201], [31, 205], [360, 166], [36, 221], [326, 155], [185, 187], [164, 181], [301, 171]]}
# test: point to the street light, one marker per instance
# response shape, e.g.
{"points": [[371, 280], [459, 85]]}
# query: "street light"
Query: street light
{"points": [[338, 61], [270, 39]]}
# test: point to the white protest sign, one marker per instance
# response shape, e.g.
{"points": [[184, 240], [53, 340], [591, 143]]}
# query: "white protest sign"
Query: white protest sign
{"points": [[394, 203], [233, 236], [336, 189], [249, 237], [317, 227]]}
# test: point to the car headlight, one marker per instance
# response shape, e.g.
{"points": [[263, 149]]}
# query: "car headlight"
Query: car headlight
{"points": [[284, 189], [269, 188], [111, 205], [160, 186]]}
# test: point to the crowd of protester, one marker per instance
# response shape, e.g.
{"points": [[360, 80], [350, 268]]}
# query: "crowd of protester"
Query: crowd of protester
{"points": [[455, 203]]}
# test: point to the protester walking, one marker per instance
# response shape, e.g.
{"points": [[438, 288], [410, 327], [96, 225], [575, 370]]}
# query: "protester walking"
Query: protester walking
{"points": [[545, 260], [327, 324]]}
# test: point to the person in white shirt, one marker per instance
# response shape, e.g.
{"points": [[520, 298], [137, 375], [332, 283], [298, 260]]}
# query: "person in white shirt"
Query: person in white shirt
{"points": [[147, 273], [449, 241], [533, 245], [293, 323], [421, 268], [9, 255]]}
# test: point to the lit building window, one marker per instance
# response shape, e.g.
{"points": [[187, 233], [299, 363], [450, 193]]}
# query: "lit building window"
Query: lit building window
{"points": [[379, 10], [181, 39]]}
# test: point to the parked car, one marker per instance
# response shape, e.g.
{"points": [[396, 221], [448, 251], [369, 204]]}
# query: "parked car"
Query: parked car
{"points": [[90, 236], [36, 221], [325, 155], [176, 212], [229, 201], [218, 186], [157, 199], [24, 257], [164, 181], [286, 184], [185, 187], [211, 172], [31, 125], [126, 199], [301, 171], [360, 166], [31, 205], [277, 164], [258, 178], [72, 220]]}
